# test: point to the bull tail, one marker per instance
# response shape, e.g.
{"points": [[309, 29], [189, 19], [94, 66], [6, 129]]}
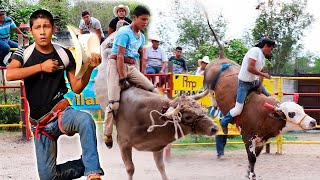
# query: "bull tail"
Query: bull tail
{"points": [[221, 49]]}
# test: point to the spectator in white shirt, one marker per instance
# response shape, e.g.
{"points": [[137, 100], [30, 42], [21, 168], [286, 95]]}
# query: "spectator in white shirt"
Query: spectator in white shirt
{"points": [[202, 65], [91, 24], [156, 58]]}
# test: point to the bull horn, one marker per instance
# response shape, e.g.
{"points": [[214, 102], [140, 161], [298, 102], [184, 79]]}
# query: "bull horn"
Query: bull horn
{"points": [[270, 107], [200, 95], [172, 112]]}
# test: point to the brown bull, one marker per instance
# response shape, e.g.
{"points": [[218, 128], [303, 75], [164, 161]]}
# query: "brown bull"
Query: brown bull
{"points": [[149, 122], [257, 123]]}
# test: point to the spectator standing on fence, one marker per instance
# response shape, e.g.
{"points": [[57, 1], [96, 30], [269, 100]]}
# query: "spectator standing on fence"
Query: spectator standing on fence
{"points": [[155, 56], [179, 63], [120, 12], [50, 114], [202, 65], [91, 24], [6, 24]]}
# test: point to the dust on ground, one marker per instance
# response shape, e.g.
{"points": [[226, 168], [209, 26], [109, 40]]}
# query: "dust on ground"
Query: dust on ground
{"points": [[17, 161]]}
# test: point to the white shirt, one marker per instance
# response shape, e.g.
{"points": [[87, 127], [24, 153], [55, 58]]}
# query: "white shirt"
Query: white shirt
{"points": [[199, 71], [92, 26], [155, 57], [256, 54]]}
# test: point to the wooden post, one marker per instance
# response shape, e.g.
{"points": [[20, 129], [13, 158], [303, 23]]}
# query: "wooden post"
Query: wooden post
{"points": [[4, 84], [22, 114], [167, 149]]}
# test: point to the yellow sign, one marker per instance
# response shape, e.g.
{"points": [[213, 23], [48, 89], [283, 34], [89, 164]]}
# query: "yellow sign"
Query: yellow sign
{"points": [[189, 85], [187, 82]]}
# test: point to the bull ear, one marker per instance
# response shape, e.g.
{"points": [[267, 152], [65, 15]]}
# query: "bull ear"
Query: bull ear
{"points": [[278, 115]]}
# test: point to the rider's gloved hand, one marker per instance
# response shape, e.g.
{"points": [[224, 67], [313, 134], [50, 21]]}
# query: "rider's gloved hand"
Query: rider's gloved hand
{"points": [[124, 84]]}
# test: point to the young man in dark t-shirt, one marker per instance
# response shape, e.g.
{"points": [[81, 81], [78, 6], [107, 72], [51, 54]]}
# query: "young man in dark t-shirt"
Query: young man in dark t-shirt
{"points": [[179, 63], [120, 12], [43, 74]]}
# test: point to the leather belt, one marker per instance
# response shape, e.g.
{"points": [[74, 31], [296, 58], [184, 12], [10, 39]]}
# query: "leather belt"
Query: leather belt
{"points": [[128, 60], [60, 106]]}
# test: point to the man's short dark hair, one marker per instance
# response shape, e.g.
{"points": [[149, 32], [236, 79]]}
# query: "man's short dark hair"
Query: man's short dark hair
{"points": [[84, 13], [179, 48], [41, 13], [140, 10], [265, 41]]}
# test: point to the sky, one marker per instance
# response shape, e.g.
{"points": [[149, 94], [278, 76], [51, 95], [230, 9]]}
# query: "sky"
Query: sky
{"points": [[241, 14]]}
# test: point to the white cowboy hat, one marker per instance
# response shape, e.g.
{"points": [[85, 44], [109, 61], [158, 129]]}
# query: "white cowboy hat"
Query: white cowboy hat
{"points": [[154, 37], [121, 6], [84, 45], [205, 59]]}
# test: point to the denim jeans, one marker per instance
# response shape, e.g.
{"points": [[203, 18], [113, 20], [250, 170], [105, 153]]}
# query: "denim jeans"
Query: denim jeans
{"points": [[46, 149], [153, 70], [5, 46], [243, 89], [221, 141]]}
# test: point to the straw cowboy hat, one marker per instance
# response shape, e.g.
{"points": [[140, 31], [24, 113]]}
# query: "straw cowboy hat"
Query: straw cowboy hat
{"points": [[154, 37], [84, 45], [121, 6]]}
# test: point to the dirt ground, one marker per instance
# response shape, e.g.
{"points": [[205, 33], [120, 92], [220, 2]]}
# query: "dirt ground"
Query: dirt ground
{"points": [[299, 162]]}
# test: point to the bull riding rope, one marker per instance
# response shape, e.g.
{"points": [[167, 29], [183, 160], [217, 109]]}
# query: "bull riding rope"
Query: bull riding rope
{"points": [[171, 113]]}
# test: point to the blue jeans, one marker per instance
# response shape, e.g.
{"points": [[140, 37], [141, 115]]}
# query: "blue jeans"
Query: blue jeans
{"points": [[153, 70], [5, 46], [243, 89], [46, 149], [221, 141]]}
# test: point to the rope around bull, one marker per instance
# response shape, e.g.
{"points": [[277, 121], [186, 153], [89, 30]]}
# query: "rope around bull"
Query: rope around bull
{"points": [[176, 119]]}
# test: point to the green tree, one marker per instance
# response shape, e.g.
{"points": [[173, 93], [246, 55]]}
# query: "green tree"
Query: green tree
{"points": [[285, 22], [235, 50], [19, 11], [103, 11], [316, 67], [59, 10], [194, 34]]}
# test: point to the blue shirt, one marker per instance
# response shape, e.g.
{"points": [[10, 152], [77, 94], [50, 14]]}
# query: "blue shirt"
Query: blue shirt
{"points": [[125, 37], [5, 28]]}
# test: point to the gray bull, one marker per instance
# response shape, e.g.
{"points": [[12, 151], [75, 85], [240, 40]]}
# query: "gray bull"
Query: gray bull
{"points": [[149, 122]]}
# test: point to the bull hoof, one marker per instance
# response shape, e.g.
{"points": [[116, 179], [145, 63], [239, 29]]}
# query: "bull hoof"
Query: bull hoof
{"points": [[108, 141]]}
